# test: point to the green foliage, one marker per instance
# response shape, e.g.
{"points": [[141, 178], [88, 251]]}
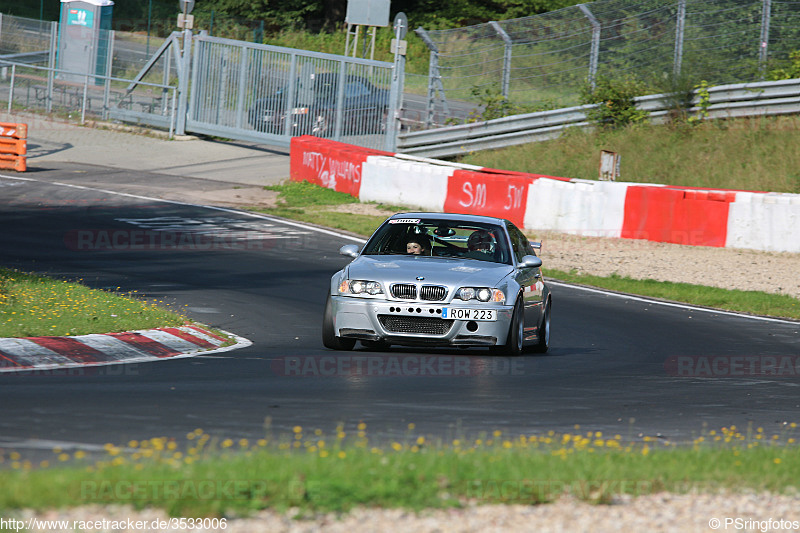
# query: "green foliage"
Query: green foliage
{"points": [[315, 472], [239, 18], [678, 91], [701, 89], [33, 305], [305, 194], [614, 97], [492, 104], [790, 72], [747, 154]]}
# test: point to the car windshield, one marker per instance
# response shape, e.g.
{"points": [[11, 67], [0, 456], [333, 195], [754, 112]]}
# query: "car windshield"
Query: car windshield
{"points": [[440, 238]]}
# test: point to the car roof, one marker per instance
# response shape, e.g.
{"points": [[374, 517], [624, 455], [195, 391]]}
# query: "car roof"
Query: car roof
{"points": [[451, 216]]}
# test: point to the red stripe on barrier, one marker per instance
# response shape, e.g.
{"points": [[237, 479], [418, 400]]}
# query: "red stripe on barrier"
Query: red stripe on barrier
{"points": [[72, 349], [145, 344], [521, 174], [662, 214], [478, 193], [209, 333], [329, 163], [188, 337], [5, 360]]}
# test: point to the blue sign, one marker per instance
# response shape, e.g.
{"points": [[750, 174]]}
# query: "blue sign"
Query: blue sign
{"points": [[80, 17]]}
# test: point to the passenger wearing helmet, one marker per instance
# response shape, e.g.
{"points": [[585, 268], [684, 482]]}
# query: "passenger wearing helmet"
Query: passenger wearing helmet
{"points": [[481, 245]]}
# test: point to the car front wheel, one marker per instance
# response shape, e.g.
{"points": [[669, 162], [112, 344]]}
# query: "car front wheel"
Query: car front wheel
{"points": [[543, 344], [516, 332], [329, 338]]}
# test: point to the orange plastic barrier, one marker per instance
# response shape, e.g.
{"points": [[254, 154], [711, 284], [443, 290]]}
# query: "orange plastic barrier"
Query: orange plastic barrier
{"points": [[13, 146]]}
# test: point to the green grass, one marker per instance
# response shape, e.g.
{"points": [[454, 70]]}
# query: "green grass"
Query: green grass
{"points": [[753, 302], [306, 202], [32, 305], [746, 154], [309, 470], [305, 194]]}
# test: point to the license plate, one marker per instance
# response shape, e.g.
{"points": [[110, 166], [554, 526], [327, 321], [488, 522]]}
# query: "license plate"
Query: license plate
{"points": [[461, 313]]}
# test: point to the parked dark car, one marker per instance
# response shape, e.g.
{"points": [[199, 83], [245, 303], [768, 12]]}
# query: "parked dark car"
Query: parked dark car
{"points": [[313, 110]]}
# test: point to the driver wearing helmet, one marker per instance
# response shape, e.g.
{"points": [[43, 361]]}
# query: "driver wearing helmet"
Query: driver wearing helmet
{"points": [[482, 243]]}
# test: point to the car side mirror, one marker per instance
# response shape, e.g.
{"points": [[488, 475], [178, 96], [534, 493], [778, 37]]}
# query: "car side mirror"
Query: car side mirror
{"points": [[530, 261], [350, 250]]}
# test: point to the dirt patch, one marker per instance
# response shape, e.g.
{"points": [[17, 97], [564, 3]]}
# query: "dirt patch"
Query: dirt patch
{"points": [[227, 197], [726, 268]]}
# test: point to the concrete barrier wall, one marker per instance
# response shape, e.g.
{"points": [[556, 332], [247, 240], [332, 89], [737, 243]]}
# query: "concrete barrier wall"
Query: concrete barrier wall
{"points": [[760, 221], [660, 213], [396, 182]]}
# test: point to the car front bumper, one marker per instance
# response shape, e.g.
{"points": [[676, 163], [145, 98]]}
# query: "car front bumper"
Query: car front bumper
{"points": [[416, 323]]}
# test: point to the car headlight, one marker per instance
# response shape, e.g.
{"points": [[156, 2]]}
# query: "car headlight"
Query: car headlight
{"points": [[360, 287], [482, 294]]}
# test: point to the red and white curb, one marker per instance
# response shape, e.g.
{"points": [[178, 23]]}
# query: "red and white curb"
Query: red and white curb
{"points": [[48, 353]]}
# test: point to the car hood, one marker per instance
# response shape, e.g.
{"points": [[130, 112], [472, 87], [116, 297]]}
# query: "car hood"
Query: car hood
{"points": [[453, 273]]}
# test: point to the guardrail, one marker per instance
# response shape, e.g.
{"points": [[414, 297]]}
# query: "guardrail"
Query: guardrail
{"points": [[13, 146], [725, 101]]}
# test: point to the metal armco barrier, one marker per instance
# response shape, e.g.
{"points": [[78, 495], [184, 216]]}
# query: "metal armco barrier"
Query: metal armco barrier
{"points": [[724, 101], [13, 146]]}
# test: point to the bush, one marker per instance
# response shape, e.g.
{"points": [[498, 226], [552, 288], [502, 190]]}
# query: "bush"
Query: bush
{"points": [[790, 72], [616, 107]]}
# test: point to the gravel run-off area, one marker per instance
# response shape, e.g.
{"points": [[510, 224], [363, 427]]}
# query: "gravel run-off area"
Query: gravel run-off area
{"points": [[654, 513]]}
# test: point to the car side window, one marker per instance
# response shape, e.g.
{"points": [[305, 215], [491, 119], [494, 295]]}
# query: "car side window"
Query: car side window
{"points": [[355, 89], [519, 243]]}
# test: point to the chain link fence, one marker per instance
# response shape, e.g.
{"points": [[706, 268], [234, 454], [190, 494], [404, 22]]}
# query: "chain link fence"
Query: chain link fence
{"points": [[543, 61]]}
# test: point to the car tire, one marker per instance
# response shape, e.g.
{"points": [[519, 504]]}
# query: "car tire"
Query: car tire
{"points": [[543, 344], [329, 338], [516, 333]]}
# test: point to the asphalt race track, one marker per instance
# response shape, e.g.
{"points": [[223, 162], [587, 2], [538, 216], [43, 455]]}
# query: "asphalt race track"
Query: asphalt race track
{"points": [[618, 364]]}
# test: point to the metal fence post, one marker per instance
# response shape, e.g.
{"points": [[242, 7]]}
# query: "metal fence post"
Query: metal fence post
{"points": [[244, 65], [766, 12], [109, 67], [51, 63], [396, 92], [506, 57], [680, 23], [11, 87], [595, 50], [83, 100], [434, 78], [183, 82], [338, 115]]}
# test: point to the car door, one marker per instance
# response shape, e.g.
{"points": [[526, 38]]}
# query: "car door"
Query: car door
{"points": [[530, 281], [357, 105]]}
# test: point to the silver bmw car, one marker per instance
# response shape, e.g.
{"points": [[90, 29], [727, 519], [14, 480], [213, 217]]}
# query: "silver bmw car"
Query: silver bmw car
{"points": [[440, 279]]}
